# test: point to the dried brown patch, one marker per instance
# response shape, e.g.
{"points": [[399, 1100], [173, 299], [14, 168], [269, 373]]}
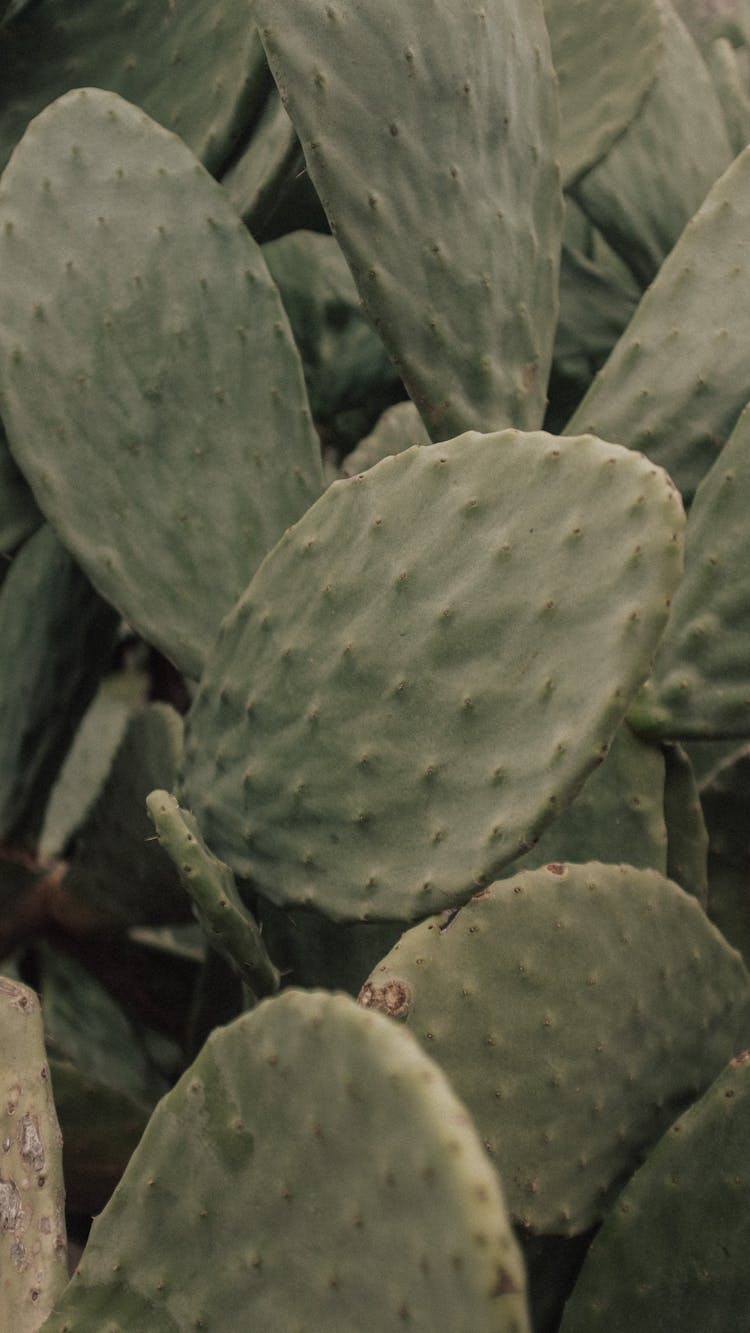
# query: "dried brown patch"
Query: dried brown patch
{"points": [[395, 998]]}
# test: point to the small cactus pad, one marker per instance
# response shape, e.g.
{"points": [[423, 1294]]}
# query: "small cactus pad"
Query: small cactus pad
{"points": [[32, 1200], [427, 666], [678, 378], [617, 816], [152, 392], [700, 686], [687, 838], [325, 1165], [397, 429], [19, 515], [117, 866], [575, 1010], [230, 928], [726, 803], [672, 1255], [430, 133], [606, 56], [198, 70], [56, 634], [658, 173]]}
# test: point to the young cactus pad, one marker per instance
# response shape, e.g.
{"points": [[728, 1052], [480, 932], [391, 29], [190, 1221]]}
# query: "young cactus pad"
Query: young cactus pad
{"points": [[672, 1256], [32, 1201], [323, 1163], [427, 666], [151, 389], [430, 134], [575, 1009]]}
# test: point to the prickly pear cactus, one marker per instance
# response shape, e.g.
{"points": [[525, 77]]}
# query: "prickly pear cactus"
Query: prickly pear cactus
{"points": [[325, 1164], [427, 666], [33, 1252]]}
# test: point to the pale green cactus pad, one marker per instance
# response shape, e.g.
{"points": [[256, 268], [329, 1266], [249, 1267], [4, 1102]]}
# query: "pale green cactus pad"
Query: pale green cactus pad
{"points": [[427, 666], [56, 635], [606, 55], [647, 188], [324, 1163], [575, 1009], [678, 378], [198, 71], [152, 391], [700, 686], [672, 1256], [618, 815], [32, 1197], [687, 837], [397, 429], [452, 230]]}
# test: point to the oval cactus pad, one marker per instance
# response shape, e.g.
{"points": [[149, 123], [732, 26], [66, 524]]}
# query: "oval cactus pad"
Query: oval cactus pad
{"points": [[576, 1010], [152, 392], [427, 666], [325, 1165]]}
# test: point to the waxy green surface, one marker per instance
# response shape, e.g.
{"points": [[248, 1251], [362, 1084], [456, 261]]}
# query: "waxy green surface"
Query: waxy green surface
{"points": [[324, 1163], [151, 389], [427, 666], [430, 134], [576, 1010]]}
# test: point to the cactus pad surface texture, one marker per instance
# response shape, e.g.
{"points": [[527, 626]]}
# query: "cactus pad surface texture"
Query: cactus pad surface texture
{"points": [[453, 230], [672, 1255], [151, 388], [32, 1197], [324, 1163], [427, 666], [575, 1009]]}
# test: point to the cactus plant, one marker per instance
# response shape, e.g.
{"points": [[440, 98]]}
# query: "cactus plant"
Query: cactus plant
{"points": [[394, 684]]}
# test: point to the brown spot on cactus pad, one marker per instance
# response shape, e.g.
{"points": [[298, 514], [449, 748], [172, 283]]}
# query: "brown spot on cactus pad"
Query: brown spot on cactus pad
{"points": [[394, 998]]}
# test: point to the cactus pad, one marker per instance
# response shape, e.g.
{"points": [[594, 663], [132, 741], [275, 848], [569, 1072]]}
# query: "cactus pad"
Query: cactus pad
{"points": [[32, 1199], [575, 1010], [427, 666], [323, 1162], [672, 1257], [152, 392], [430, 133]]}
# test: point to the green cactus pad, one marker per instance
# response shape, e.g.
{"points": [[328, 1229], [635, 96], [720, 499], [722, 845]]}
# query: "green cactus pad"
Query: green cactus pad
{"points": [[426, 668], [700, 687], [230, 928], [105, 1084], [687, 838], [729, 81], [89, 759], [430, 133], [617, 816], [606, 55], [397, 429], [595, 308], [672, 1256], [678, 378], [152, 392], [19, 515], [199, 70], [726, 804], [575, 1009], [647, 188], [324, 1163], [116, 866], [256, 179], [56, 635], [342, 356], [32, 1197], [709, 19]]}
